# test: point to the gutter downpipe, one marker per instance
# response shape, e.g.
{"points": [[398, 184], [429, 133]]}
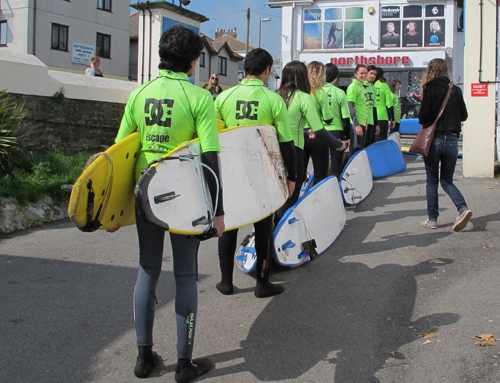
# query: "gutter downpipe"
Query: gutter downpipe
{"points": [[481, 47], [143, 39], [34, 27], [150, 38]]}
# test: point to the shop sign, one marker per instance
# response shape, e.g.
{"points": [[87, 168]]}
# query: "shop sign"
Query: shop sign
{"points": [[378, 60], [479, 90]]}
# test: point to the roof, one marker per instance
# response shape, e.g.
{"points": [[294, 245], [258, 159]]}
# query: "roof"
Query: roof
{"points": [[235, 44], [171, 7], [215, 46]]}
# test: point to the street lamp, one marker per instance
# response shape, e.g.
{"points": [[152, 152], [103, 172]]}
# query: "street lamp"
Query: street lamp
{"points": [[264, 20]]}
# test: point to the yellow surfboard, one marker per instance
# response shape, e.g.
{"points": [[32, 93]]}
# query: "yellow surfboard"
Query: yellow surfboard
{"points": [[103, 196]]}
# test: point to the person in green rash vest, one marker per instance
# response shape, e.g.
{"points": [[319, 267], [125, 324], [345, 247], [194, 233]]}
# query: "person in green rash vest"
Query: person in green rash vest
{"points": [[358, 110], [251, 103], [395, 88], [373, 128], [167, 111], [318, 150], [294, 90], [385, 109], [340, 127]]}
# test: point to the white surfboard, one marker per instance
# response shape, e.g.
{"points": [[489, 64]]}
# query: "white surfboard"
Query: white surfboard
{"points": [[396, 137], [310, 226], [356, 179], [172, 193]]}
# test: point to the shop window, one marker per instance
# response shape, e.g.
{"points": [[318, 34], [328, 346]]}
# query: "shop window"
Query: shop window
{"points": [[333, 28], [412, 26], [59, 39], [105, 5], [3, 33], [222, 66], [103, 45]]}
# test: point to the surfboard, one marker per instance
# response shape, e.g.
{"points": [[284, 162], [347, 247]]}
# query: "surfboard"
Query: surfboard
{"points": [[103, 196], [396, 137], [246, 256], [307, 184], [409, 126], [356, 179], [310, 226], [172, 192], [385, 158]]}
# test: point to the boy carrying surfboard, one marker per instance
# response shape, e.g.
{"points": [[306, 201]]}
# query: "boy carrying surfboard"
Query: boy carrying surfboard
{"points": [[252, 103], [168, 111]]}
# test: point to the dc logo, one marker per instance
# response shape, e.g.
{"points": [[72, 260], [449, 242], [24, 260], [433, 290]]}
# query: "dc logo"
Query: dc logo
{"points": [[435, 11], [246, 110], [154, 110]]}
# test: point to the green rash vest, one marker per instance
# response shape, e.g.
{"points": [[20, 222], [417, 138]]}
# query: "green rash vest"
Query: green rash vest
{"points": [[356, 94], [370, 100], [383, 100], [322, 106], [338, 105], [251, 103], [397, 107], [302, 111], [168, 111]]}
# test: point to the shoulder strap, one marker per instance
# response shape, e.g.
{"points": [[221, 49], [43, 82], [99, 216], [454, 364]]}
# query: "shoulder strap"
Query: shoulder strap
{"points": [[445, 102]]}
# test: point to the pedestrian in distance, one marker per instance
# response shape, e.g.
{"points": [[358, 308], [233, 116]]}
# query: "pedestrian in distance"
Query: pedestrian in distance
{"points": [[396, 102], [213, 85], [190, 114], [251, 103], [93, 69], [442, 159]]}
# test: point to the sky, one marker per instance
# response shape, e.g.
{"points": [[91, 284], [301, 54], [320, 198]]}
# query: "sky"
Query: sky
{"points": [[228, 14]]}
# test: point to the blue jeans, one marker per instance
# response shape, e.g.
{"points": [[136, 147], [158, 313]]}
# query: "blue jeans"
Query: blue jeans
{"points": [[444, 149]]}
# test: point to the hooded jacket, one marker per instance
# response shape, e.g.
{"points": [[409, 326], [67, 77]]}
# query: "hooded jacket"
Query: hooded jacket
{"points": [[434, 93]]}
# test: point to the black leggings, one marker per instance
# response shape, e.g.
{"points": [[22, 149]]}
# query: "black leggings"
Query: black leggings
{"points": [[396, 128], [384, 126], [263, 242], [336, 156], [319, 152]]}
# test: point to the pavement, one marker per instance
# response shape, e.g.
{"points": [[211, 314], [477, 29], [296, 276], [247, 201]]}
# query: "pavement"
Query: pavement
{"points": [[359, 313]]}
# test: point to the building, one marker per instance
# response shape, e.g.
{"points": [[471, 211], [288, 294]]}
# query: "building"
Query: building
{"points": [[399, 36], [64, 34]]}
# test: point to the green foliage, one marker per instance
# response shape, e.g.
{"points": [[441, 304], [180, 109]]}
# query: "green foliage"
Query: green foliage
{"points": [[34, 176], [59, 96], [12, 129]]}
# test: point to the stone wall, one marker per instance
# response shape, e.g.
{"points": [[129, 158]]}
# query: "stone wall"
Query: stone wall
{"points": [[70, 126]]}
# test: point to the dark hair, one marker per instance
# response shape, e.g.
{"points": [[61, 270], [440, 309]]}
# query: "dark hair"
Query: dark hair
{"points": [[294, 77], [179, 47], [380, 73], [371, 67], [394, 82], [358, 67], [332, 72], [257, 61]]}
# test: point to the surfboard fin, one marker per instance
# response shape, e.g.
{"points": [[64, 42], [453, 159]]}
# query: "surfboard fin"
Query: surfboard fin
{"points": [[165, 197]]}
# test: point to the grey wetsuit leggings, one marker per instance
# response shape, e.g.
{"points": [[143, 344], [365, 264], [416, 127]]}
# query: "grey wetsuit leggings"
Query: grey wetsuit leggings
{"points": [[185, 264]]}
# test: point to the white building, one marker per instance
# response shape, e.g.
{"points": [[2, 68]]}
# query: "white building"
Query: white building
{"points": [[64, 34]]}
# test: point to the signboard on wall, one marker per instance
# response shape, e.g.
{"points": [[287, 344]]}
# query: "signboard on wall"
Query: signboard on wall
{"points": [[478, 90], [82, 53]]}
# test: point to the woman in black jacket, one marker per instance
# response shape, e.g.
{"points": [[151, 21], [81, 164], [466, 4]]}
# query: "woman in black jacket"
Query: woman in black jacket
{"points": [[444, 147]]}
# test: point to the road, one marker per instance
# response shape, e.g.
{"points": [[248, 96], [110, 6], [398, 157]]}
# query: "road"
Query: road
{"points": [[354, 315]]}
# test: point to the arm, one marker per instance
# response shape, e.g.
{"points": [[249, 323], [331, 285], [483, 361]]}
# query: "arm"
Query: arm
{"points": [[211, 159], [463, 109], [90, 71], [355, 122]]}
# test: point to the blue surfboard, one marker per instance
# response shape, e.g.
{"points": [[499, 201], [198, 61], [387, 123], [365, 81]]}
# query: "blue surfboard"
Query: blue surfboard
{"points": [[385, 158]]}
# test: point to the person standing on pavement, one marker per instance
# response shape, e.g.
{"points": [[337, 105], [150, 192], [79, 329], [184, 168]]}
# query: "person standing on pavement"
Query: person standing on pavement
{"points": [[358, 110], [396, 102], [442, 159], [176, 110], [385, 109], [252, 103], [340, 127], [373, 129]]}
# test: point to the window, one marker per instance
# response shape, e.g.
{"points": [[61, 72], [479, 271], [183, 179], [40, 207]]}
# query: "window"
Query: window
{"points": [[3, 33], [103, 45], [222, 66], [202, 59], [105, 5], [412, 26], [59, 38], [333, 28]]}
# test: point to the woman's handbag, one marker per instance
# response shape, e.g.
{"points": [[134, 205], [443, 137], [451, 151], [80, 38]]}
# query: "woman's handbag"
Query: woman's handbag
{"points": [[423, 140]]}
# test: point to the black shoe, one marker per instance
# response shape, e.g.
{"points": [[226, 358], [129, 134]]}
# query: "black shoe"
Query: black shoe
{"points": [[226, 289], [146, 362], [267, 289], [187, 370]]}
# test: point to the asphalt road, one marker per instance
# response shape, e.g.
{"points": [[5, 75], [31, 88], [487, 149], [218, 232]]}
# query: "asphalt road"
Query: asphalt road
{"points": [[354, 315]]}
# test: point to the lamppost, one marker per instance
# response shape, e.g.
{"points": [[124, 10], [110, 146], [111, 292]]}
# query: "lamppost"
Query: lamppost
{"points": [[264, 20]]}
